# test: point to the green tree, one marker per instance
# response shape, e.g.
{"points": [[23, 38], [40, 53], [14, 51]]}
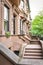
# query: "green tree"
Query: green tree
{"points": [[37, 25]]}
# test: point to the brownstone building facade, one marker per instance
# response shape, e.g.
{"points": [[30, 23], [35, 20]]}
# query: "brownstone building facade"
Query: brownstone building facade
{"points": [[14, 18]]}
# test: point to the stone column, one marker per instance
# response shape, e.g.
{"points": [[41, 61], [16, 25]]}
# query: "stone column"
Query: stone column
{"points": [[11, 21], [1, 16], [24, 27], [0, 19], [17, 25]]}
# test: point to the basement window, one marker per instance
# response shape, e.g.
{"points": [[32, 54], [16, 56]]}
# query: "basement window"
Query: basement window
{"points": [[17, 53]]}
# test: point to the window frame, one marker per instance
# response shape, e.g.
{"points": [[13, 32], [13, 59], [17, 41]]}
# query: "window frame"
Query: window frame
{"points": [[21, 26], [23, 3], [6, 21]]}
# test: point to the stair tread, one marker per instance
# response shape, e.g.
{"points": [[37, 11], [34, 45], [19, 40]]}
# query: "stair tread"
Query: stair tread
{"points": [[33, 51], [32, 57], [33, 46], [32, 54]]}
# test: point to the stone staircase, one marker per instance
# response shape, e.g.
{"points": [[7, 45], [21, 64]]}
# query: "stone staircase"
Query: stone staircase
{"points": [[32, 51]]}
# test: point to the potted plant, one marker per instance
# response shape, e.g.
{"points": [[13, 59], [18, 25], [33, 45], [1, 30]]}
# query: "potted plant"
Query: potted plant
{"points": [[7, 34]]}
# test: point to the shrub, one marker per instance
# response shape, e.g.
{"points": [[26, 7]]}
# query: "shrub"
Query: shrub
{"points": [[7, 34]]}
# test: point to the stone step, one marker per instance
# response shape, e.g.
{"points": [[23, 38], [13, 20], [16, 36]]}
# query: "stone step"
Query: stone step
{"points": [[33, 57], [33, 51], [32, 54], [33, 46]]}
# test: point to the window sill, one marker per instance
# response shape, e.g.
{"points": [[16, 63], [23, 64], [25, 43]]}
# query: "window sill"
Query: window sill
{"points": [[12, 35]]}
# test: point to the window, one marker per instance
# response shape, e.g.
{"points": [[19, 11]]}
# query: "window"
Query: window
{"points": [[6, 18], [22, 4], [21, 26]]}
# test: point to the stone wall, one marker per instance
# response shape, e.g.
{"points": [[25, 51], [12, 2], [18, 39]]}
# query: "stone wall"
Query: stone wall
{"points": [[13, 42]]}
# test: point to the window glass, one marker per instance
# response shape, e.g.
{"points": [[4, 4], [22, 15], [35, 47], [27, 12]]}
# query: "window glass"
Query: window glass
{"points": [[22, 4], [21, 26], [6, 10], [6, 18]]}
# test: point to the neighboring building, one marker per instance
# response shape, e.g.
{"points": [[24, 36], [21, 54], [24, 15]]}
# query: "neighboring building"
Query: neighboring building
{"points": [[13, 18]]}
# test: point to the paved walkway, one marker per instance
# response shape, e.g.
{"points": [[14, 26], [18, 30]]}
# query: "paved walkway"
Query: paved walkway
{"points": [[31, 61]]}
